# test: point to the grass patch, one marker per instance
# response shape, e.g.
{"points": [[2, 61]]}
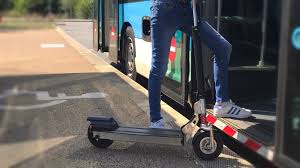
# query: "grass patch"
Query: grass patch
{"points": [[25, 24]]}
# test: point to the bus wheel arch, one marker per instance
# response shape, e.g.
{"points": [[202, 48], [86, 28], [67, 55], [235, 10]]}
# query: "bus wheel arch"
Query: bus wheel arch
{"points": [[128, 51]]}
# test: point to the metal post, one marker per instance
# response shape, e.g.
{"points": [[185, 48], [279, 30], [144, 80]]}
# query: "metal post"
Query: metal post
{"points": [[219, 15], [212, 138], [199, 107], [264, 33], [195, 14]]}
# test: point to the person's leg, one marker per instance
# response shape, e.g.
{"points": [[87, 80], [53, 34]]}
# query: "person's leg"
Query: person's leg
{"points": [[222, 50], [162, 29]]}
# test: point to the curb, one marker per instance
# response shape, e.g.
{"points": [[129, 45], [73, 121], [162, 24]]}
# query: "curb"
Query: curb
{"points": [[73, 20]]}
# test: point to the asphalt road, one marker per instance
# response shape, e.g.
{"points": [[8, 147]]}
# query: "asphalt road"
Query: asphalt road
{"points": [[80, 31], [46, 94]]}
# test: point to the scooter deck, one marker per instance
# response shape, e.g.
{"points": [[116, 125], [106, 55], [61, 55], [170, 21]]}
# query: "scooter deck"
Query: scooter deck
{"points": [[143, 135]]}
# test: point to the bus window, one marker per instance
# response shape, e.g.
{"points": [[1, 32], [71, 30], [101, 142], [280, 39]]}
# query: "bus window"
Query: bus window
{"points": [[173, 79], [95, 26], [106, 28], [113, 29]]}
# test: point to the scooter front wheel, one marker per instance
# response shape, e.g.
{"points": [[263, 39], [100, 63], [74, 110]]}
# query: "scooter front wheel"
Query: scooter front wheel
{"points": [[96, 140], [202, 145]]}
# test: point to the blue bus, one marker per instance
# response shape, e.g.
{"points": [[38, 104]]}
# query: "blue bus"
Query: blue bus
{"points": [[253, 27], [126, 35]]}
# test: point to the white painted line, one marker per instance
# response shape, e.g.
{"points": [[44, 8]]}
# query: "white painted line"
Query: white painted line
{"points": [[31, 107], [13, 153], [52, 45], [63, 96], [44, 96]]}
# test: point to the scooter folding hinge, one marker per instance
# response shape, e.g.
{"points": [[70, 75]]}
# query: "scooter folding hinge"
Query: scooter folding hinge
{"points": [[199, 107], [189, 131]]}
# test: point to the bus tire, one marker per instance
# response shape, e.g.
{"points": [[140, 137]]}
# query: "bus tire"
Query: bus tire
{"points": [[128, 54]]}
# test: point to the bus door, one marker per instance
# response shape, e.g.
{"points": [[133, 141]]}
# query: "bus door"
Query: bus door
{"points": [[111, 28], [288, 113], [96, 26], [99, 41], [176, 79], [252, 27]]}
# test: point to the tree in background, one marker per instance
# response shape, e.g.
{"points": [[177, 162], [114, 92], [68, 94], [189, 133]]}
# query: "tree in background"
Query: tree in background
{"points": [[70, 8], [83, 8], [20, 7], [78, 8], [5, 4], [43, 7]]}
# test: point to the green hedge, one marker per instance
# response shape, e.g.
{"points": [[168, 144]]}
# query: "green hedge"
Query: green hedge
{"points": [[83, 8], [70, 8]]}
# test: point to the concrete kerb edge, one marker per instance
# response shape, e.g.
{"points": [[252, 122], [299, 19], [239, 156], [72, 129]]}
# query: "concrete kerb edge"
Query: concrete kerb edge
{"points": [[73, 20], [93, 59]]}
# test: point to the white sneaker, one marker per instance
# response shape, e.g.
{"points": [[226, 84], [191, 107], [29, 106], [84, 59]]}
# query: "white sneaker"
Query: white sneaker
{"points": [[230, 110], [158, 124]]}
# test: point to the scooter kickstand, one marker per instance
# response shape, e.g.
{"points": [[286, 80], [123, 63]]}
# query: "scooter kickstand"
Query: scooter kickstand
{"points": [[212, 144], [190, 129]]}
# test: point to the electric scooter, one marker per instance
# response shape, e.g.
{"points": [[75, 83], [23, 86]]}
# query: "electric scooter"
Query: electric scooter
{"points": [[206, 142]]}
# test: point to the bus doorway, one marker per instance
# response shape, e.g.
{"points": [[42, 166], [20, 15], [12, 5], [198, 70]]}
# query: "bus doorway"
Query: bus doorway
{"points": [[253, 29], [96, 25], [100, 28]]}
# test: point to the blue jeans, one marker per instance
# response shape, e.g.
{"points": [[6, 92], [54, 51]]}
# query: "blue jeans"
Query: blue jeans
{"points": [[167, 16]]}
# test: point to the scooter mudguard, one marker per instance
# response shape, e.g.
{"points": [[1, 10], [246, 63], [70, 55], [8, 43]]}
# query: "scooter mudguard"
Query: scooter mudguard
{"points": [[103, 123]]}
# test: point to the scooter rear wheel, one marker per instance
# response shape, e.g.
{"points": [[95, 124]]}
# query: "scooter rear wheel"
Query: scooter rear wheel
{"points": [[97, 141], [201, 145]]}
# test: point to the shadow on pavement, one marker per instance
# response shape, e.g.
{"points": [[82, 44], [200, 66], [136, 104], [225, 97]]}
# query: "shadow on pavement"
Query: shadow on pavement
{"points": [[81, 154], [55, 136]]}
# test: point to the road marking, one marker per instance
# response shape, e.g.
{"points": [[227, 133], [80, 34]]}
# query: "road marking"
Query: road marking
{"points": [[44, 96], [31, 107], [14, 153], [52, 45], [62, 96]]}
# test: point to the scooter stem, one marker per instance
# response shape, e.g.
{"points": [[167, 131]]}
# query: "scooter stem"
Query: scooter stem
{"points": [[195, 13]]}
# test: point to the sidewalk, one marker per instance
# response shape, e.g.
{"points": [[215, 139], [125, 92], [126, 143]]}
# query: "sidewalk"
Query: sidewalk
{"points": [[59, 132]]}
